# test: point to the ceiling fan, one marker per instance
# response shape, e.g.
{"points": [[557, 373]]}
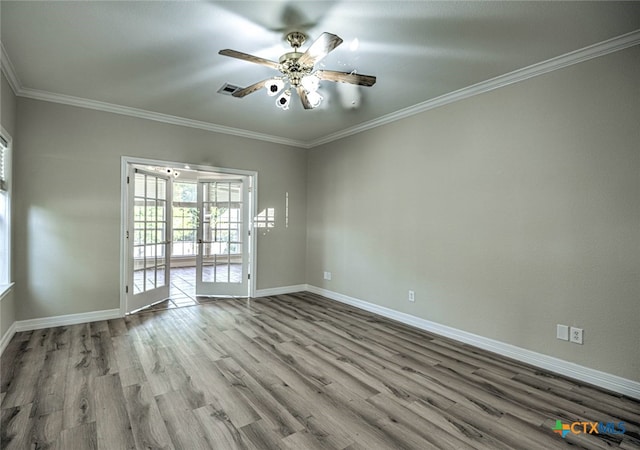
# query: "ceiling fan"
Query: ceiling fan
{"points": [[298, 72]]}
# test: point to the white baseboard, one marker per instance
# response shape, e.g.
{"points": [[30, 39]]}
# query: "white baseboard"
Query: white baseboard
{"points": [[602, 379], [68, 319], [280, 290], [7, 337]]}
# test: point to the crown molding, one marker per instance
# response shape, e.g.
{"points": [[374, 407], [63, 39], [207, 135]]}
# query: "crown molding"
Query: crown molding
{"points": [[9, 72], [593, 51], [150, 115], [568, 59]]}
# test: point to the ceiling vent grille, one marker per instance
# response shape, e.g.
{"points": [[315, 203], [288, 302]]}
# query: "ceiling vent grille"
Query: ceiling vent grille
{"points": [[228, 89]]}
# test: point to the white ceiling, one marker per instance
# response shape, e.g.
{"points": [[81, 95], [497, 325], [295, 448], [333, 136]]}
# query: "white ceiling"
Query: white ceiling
{"points": [[162, 57]]}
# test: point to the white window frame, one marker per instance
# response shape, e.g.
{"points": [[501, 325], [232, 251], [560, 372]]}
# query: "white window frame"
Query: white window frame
{"points": [[5, 234]]}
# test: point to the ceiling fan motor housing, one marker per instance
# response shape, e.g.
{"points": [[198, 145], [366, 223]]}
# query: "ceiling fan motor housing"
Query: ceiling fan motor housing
{"points": [[291, 68]]}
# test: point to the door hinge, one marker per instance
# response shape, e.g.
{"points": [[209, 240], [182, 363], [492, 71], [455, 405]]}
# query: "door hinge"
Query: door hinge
{"points": [[248, 276], [127, 234], [126, 289], [127, 180]]}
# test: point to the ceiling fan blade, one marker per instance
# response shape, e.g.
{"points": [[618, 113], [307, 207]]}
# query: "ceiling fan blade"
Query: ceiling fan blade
{"points": [[248, 57], [249, 90], [346, 77], [303, 97], [320, 48]]}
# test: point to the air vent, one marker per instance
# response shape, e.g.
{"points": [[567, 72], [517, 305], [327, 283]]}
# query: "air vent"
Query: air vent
{"points": [[228, 89]]}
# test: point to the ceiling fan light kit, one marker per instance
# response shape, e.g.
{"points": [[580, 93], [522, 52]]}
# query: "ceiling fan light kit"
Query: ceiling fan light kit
{"points": [[283, 101], [298, 71], [274, 86]]}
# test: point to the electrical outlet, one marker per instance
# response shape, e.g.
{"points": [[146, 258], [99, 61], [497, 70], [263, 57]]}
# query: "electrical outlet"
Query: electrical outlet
{"points": [[562, 332], [327, 275], [412, 296], [576, 335]]}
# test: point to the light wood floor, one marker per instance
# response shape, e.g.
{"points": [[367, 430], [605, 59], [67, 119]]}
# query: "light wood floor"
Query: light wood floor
{"points": [[291, 371]]}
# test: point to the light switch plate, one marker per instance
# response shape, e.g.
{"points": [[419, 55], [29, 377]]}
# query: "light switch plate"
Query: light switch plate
{"points": [[562, 332]]}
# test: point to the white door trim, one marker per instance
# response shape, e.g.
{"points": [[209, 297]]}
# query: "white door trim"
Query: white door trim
{"points": [[126, 161]]}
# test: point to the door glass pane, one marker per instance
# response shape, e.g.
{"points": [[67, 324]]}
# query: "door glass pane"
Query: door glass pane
{"points": [[162, 189], [138, 236], [150, 235], [138, 210], [150, 210], [151, 187], [138, 281], [222, 192], [160, 234], [139, 184], [208, 263], [150, 278], [185, 192], [236, 192], [161, 272], [161, 210], [222, 270]]}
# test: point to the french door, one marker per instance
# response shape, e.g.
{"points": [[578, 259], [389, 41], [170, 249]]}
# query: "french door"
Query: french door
{"points": [[148, 237], [222, 261]]}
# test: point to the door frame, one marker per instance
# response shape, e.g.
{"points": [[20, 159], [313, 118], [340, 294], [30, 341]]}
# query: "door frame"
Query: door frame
{"points": [[126, 161]]}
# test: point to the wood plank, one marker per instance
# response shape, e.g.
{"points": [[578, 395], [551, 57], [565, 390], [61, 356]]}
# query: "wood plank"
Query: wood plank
{"points": [[102, 351], [49, 391], [13, 424], [79, 405], [219, 431], [185, 430], [258, 436], [147, 425], [217, 390], [83, 437], [410, 420], [117, 327], [269, 409], [328, 370], [113, 428], [21, 388], [128, 361]]}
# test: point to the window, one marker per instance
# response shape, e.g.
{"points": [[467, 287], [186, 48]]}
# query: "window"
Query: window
{"points": [[5, 211]]}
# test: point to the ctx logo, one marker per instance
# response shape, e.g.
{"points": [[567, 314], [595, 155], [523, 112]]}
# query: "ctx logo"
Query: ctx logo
{"points": [[588, 428]]}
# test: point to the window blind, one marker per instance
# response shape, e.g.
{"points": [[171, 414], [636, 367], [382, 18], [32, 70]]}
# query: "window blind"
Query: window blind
{"points": [[3, 157]]}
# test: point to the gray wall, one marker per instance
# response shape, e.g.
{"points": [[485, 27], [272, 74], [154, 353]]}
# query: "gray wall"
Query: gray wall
{"points": [[507, 213], [7, 120], [67, 203]]}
